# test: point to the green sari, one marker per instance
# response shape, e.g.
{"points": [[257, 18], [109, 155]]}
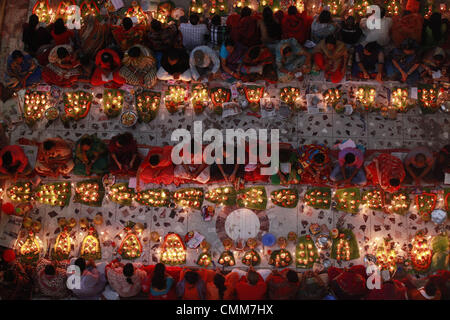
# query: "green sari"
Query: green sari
{"points": [[98, 148], [293, 174]]}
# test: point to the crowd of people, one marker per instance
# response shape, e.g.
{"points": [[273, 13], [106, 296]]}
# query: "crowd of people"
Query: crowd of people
{"points": [[116, 280], [275, 47]]}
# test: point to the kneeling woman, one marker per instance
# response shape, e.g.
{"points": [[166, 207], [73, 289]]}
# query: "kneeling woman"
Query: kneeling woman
{"points": [[91, 156], [126, 280], [13, 162], [63, 69], [139, 67], [156, 168], [124, 154]]}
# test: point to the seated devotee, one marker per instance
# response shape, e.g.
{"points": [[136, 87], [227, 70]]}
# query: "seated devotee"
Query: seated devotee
{"points": [[380, 35], [403, 63], [21, 71], [348, 284], [107, 69], [349, 170], [91, 156], [221, 287], [63, 69], [322, 27], [92, 280], [350, 31], [13, 162], [390, 290], [270, 29], [125, 159], [160, 286], [313, 286], [218, 32], [296, 25], [156, 168], [191, 286], [314, 163], [139, 67], [127, 35], [368, 62], [194, 33], [258, 63], [435, 30], [441, 278], [251, 286], [33, 36], [60, 34], [51, 278], [15, 283], [428, 292], [387, 171], [93, 35], [188, 173], [330, 56], [419, 163], [231, 55], [409, 26], [54, 157], [244, 28], [204, 63], [175, 66], [287, 171], [231, 169], [163, 37], [291, 58], [435, 66], [442, 164], [126, 279], [282, 285]]}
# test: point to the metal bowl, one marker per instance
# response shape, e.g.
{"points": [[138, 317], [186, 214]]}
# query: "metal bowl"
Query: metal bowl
{"points": [[128, 118]]}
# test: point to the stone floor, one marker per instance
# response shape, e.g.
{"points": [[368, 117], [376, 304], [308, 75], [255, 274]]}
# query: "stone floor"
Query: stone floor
{"points": [[371, 130]]}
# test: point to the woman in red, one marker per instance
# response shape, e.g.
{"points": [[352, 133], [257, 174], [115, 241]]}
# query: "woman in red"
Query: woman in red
{"points": [[387, 171], [13, 162], [244, 29], [124, 154], [282, 285], [296, 25], [63, 69], [107, 70], [60, 34], [157, 167], [191, 285], [251, 287]]}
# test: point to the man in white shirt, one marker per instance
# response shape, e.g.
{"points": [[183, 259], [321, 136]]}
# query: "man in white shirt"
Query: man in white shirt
{"points": [[194, 34], [381, 35], [204, 63]]}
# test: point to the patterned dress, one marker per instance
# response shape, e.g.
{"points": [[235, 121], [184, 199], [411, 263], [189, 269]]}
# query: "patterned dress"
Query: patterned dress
{"points": [[389, 167], [306, 160]]}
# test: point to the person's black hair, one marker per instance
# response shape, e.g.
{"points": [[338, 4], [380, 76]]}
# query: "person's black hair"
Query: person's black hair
{"points": [[48, 144], [292, 276], [382, 12], [292, 10], [409, 44], [16, 54], [435, 24], [134, 52], [216, 20], [319, 158], [252, 277], [184, 19], [229, 42], [59, 27], [154, 160], [33, 20], [191, 277], [107, 58], [159, 277], [430, 288], [86, 141], [127, 23], [194, 19], [128, 271], [273, 28], [325, 16], [50, 270], [330, 39], [173, 54], [246, 12], [7, 159], [219, 282], [349, 158], [253, 53], [394, 182], [156, 25], [9, 276], [285, 155], [372, 47], [81, 263], [62, 52], [439, 57], [287, 50], [124, 138], [350, 18]]}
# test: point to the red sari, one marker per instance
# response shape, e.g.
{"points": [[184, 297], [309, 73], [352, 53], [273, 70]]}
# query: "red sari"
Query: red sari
{"points": [[124, 155], [296, 26], [245, 291], [245, 30], [18, 157], [389, 167], [306, 161], [97, 79], [162, 173]]}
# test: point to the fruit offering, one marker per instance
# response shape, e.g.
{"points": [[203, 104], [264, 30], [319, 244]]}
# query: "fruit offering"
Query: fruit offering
{"points": [[253, 94], [386, 256], [43, 11], [360, 7], [89, 8], [173, 250], [120, 193], [222, 195], [35, 105], [136, 11], [199, 97], [54, 194], [174, 98], [20, 192], [189, 197], [289, 95], [226, 259], [112, 102], [218, 97], [399, 99], [252, 198], [65, 10], [251, 258], [219, 7], [306, 252], [147, 105], [204, 260], [280, 258], [196, 6], [318, 198], [421, 253], [89, 192], [374, 199], [426, 202], [348, 200], [345, 246], [154, 198], [131, 247], [62, 247], [396, 202], [332, 97], [90, 246], [28, 250], [286, 198], [128, 118], [365, 98], [429, 97], [77, 104]]}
